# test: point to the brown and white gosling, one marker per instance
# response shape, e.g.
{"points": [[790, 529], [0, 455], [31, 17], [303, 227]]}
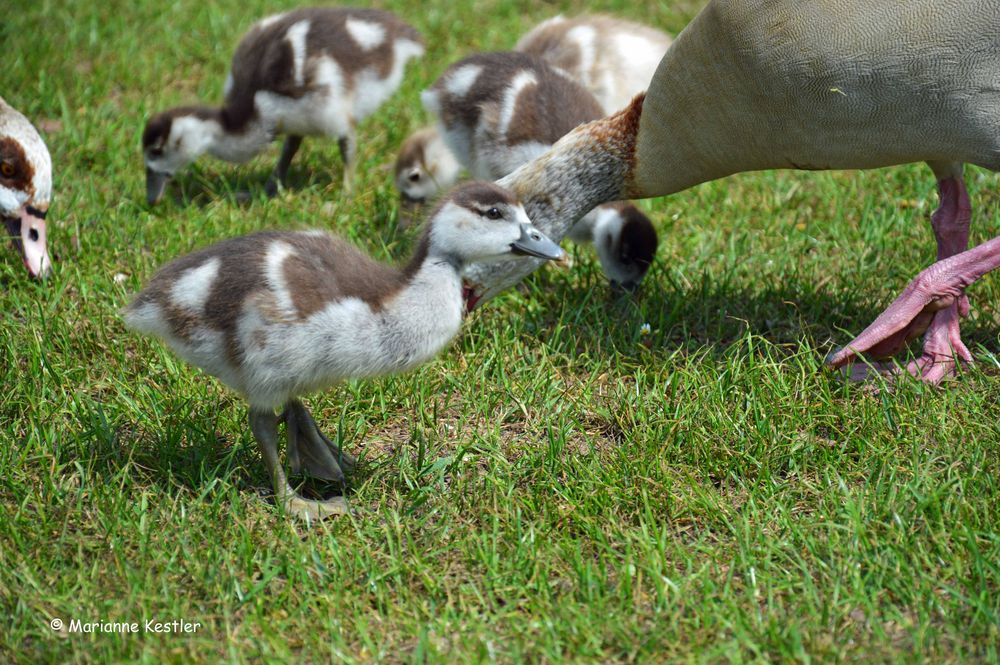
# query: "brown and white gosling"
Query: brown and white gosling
{"points": [[276, 315], [613, 58], [498, 111], [25, 188], [307, 72]]}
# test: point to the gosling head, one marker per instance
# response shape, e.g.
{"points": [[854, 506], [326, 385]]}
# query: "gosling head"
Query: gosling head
{"points": [[480, 221], [25, 188], [625, 240], [413, 177], [424, 167], [172, 140]]}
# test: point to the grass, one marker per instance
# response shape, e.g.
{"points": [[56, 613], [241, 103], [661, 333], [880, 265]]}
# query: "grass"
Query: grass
{"points": [[557, 486]]}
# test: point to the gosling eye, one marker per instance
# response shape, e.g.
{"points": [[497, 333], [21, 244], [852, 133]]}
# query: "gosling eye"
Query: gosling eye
{"points": [[7, 169], [414, 177], [156, 152], [494, 213]]}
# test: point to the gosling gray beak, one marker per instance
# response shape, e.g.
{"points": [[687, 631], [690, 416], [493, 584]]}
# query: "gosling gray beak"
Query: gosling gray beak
{"points": [[409, 210], [411, 201], [535, 243], [156, 182]]}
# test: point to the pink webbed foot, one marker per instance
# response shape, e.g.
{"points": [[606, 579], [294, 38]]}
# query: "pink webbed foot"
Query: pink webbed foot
{"points": [[943, 348], [934, 300]]}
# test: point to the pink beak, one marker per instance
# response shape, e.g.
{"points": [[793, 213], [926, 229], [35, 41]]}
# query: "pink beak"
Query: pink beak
{"points": [[27, 232]]}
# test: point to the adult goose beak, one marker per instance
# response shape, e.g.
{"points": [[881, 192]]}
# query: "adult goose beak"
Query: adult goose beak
{"points": [[27, 231], [535, 243], [156, 182]]}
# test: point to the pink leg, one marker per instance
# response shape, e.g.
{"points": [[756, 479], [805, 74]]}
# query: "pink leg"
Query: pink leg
{"points": [[943, 346], [943, 342], [935, 291]]}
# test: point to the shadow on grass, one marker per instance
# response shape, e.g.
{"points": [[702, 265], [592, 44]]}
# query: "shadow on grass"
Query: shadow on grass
{"points": [[241, 186], [575, 315], [707, 316], [186, 452]]}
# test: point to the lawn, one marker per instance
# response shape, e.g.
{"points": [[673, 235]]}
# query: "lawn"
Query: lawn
{"points": [[560, 485]]}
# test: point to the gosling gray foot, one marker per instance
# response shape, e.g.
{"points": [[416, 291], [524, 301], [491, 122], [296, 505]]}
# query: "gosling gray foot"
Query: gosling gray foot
{"points": [[279, 178], [348, 148], [264, 425], [310, 450]]}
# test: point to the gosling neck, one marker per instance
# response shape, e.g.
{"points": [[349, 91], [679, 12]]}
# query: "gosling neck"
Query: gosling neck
{"points": [[233, 142]]}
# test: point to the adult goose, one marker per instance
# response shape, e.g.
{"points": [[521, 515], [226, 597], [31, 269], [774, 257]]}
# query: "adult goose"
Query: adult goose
{"points": [[764, 84]]}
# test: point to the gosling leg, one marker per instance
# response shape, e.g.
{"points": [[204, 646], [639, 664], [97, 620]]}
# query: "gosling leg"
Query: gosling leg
{"points": [[264, 425], [279, 178], [347, 150], [317, 440], [309, 452]]}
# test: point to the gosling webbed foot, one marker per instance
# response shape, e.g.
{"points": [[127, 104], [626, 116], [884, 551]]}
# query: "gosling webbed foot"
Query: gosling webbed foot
{"points": [[312, 510], [264, 425], [310, 450]]}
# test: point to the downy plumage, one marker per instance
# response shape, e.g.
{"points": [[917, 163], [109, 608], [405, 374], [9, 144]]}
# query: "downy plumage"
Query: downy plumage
{"points": [[307, 72], [25, 188], [277, 315]]}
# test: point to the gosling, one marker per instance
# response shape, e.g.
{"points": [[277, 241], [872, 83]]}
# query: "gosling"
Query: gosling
{"points": [[308, 72], [277, 315]]}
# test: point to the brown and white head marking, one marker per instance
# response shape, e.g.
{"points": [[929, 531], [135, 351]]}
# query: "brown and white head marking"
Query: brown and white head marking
{"points": [[481, 221], [424, 167], [625, 241], [175, 138], [25, 188]]}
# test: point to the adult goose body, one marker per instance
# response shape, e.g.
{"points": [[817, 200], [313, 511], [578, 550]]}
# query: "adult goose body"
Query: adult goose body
{"points": [[763, 84], [307, 72], [277, 315]]}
